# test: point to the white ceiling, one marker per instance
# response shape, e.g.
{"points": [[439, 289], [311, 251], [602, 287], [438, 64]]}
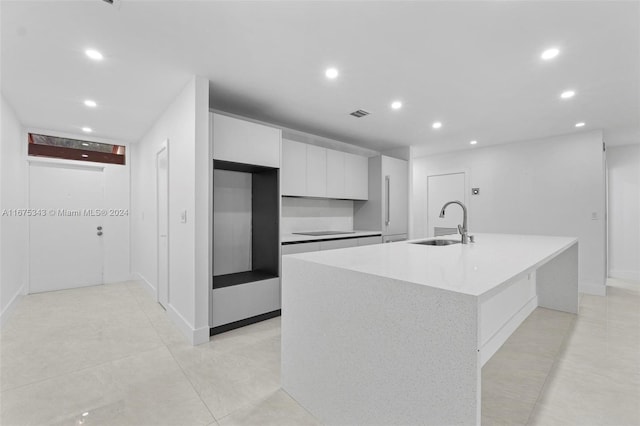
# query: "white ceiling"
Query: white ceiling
{"points": [[475, 66]]}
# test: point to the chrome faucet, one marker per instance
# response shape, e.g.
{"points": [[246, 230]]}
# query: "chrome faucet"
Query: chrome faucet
{"points": [[462, 229]]}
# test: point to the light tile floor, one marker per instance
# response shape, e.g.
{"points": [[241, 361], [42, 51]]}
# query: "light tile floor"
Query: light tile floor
{"points": [[108, 355]]}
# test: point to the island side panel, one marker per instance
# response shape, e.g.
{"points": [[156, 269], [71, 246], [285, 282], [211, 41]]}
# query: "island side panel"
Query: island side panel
{"points": [[557, 282], [363, 349]]}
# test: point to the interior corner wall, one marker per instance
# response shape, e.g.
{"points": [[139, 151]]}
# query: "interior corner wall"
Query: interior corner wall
{"points": [[180, 124], [551, 186], [203, 157], [623, 164], [13, 195]]}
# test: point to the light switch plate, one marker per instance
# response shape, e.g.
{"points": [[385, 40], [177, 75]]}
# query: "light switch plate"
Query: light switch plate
{"points": [[183, 216]]}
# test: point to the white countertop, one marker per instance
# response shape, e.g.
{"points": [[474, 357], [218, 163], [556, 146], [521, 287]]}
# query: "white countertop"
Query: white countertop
{"points": [[470, 268], [294, 238]]}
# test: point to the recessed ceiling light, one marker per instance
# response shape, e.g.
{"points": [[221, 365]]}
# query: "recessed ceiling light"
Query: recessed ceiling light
{"points": [[85, 144], [473, 142], [436, 125], [94, 54], [567, 94], [85, 155], [87, 130], [550, 53], [90, 103], [331, 73], [581, 124], [396, 104]]}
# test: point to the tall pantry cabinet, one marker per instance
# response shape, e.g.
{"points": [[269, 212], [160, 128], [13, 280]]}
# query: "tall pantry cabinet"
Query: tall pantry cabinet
{"points": [[388, 205]]}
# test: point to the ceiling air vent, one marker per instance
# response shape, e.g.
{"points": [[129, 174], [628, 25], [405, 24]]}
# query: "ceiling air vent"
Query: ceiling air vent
{"points": [[360, 113]]}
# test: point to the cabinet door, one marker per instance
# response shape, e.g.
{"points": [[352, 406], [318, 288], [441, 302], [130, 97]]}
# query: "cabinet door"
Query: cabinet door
{"points": [[316, 171], [365, 241], [300, 248], [245, 142], [293, 175], [395, 195], [356, 174], [336, 244], [336, 174]]}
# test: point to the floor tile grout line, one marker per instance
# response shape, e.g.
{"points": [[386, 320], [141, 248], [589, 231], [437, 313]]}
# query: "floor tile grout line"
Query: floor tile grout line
{"points": [[176, 360], [79, 370], [557, 357], [186, 376], [139, 304]]}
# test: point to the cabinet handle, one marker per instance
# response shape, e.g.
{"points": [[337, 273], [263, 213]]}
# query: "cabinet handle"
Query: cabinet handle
{"points": [[387, 183]]}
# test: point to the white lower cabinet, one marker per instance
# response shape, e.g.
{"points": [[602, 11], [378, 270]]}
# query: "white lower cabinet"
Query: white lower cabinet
{"points": [[365, 241], [336, 244], [300, 248], [330, 244]]}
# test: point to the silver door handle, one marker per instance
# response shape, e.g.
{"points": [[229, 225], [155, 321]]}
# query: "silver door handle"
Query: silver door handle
{"points": [[387, 183]]}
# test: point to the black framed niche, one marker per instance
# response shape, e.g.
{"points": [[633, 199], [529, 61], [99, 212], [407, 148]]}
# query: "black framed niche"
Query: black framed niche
{"points": [[246, 223], [246, 250]]}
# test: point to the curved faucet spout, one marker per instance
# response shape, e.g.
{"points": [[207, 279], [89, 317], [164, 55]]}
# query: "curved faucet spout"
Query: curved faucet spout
{"points": [[462, 229]]}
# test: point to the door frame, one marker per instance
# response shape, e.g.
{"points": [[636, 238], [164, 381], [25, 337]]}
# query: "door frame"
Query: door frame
{"points": [[57, 163], [467, 189], [163, 147]]}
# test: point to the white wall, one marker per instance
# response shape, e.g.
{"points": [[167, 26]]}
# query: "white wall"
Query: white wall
{"points": [[623, 163], [13, 195], [185, 125], [315, 214], [547, 187], [231, 222]]}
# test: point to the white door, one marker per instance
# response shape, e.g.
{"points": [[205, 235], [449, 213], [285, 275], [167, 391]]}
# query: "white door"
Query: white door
{"points": [[65, 245], [162, 196], [441, 189]]}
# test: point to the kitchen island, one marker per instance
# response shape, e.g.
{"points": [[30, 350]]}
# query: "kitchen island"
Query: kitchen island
{"points": [[398, 333]]}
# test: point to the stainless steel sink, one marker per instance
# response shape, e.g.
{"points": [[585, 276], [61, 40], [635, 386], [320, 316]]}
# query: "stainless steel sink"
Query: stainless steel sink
{"points": [[437, 242]]}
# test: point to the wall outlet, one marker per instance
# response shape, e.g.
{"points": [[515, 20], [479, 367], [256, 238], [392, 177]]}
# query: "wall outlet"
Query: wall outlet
{"points": [[594, 216]]}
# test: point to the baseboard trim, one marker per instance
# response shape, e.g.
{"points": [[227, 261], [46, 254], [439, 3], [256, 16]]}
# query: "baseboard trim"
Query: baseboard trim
{"points": [[150, 288], [625, 275], [8, 310], [243, 322], [592, 288], [195, 336], [497, 340]]}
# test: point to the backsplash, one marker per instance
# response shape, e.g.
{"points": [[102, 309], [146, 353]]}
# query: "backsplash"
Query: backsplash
{"points": [[314, 214]]}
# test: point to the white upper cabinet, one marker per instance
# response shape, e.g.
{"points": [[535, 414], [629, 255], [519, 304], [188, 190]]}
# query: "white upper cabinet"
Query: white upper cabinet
{"points": [[293, 175], [316, 171], [336, 174], [356, 181], [241, 141], [313, 171]]}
